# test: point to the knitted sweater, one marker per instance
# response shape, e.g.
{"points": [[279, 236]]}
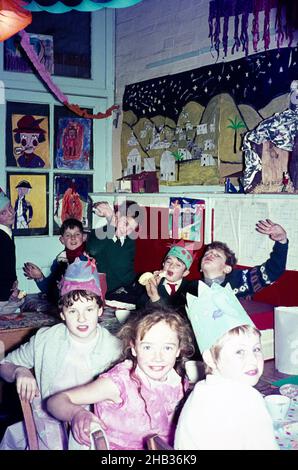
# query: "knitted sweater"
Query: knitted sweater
{"points": [[113, 259], [46, 350], [246, 282]]}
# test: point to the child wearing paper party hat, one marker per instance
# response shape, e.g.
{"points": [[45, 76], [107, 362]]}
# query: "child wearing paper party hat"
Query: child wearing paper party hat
{"points": [[224, 411], [73, 238], [169, 286], [62, 356]]}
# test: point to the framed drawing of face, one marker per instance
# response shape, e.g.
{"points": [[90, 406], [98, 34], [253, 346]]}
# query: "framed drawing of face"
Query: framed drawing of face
{"points": [[27, 135]]}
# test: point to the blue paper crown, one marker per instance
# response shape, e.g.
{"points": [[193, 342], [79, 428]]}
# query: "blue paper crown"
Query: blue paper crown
{"points": [[213, 313]]}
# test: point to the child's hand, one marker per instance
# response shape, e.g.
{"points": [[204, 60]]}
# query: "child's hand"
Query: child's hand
{"points": [[103, 209], [81, 426], [26, 384], [31, 271], [159, 275], [274, 231], [14, 291], [151, 288]]}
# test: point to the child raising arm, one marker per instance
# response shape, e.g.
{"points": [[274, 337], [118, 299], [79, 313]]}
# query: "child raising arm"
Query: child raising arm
{"points": [[218, 263], [139, 395]]}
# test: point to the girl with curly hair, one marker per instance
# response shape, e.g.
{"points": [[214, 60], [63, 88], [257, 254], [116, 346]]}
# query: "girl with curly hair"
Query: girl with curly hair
{"points": [[140, 394]]}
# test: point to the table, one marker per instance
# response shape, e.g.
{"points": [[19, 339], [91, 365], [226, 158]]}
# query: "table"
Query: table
{"points": [[18, 327], [286, 432], [270, 374]]}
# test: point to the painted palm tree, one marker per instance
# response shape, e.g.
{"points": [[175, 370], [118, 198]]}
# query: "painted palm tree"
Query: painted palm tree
{"points": [[178, 157], [236, 124]]}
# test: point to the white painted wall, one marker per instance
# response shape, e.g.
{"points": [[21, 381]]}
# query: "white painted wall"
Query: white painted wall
{"points": [[40, 251]]}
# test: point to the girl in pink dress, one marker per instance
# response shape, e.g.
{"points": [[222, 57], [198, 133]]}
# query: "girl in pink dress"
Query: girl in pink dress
{"points": [[140, 395]]}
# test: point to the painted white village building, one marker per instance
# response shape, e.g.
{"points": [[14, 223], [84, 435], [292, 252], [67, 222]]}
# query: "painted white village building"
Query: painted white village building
{"points": [[202, 129], [134, 163], [149, 164], [156, 143], [186, 155], [132, 140], [209, 144], [207, 160], [167, 167], [188, 126]]}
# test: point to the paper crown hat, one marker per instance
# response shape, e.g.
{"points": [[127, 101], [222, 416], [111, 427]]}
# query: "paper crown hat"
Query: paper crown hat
{"points": [[182, 252], [81, 275], [3, 200], [213, 313]]}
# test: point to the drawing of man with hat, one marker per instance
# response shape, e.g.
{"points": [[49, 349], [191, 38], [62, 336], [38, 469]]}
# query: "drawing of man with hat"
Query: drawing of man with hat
{"points": [[22, 207], [29, 135]]}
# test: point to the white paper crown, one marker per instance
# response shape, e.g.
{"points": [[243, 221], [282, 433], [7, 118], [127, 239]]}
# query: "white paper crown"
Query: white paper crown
{"points": [[213, 313]]}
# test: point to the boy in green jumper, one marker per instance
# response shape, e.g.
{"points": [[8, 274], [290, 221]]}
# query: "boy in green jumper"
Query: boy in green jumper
{"points": [[113, 247]]}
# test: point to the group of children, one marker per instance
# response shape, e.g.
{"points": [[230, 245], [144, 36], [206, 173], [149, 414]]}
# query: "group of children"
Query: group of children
{"points": [[137, 381]]}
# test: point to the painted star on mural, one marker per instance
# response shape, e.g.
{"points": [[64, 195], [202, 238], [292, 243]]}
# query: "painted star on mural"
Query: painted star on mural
{"points": [[252, 80]]}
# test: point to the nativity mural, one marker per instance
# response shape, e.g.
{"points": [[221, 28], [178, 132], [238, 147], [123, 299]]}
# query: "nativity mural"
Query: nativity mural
{"points": [[191, 125]]}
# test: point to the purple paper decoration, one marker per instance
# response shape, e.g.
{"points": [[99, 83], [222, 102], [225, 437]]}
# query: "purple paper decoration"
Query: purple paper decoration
{"points": [[240, 10]]}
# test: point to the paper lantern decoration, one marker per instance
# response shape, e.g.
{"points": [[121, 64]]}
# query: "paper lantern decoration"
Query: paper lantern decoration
{"points": [[13, 18], [63, 6]]}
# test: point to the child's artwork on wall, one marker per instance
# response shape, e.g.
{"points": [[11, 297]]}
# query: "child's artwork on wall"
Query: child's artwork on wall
{"points": [[186, 219], [30, 141], [176, 119], [29, 197], [16, 61], [71, 199], [270, 151], [27, 135], [73, 143]]}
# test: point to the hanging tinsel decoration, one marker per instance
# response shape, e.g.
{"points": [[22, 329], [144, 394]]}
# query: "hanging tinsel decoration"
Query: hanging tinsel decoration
{"points": [[286, 20]]}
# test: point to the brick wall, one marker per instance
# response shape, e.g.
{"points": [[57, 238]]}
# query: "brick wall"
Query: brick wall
{"points": [[160, 37]]}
